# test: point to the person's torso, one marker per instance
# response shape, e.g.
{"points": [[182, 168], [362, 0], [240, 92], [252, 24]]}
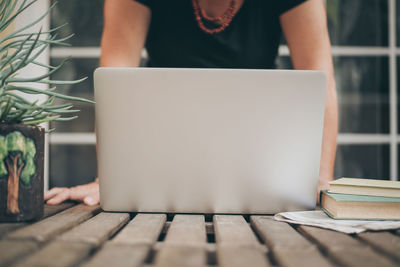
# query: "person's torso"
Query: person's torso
{"points": [[250, 41]]}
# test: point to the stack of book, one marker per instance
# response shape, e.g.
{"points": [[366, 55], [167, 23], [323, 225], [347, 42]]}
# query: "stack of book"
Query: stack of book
{"points": [[366, 199]]}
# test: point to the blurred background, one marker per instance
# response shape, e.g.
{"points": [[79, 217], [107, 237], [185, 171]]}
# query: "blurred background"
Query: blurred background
{"points": [[366, 54]]}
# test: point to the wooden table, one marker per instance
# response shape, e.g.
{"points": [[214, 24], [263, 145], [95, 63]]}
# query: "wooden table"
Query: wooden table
{"points": [[77, 235]]}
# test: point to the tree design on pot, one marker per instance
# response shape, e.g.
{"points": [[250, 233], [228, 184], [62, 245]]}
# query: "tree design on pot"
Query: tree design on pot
{"points": [[17, 163]]}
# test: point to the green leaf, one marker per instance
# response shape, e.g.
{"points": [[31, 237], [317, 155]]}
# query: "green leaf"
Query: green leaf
{"points": [[36, 122], [30, 90], [38, 78], [7, 109], [30, 24]]}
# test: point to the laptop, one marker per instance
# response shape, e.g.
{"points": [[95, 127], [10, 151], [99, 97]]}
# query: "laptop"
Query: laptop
{"points": [[208, 140]]}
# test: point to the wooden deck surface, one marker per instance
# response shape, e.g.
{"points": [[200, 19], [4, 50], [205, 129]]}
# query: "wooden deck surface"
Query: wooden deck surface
{"points": [[77, 235]]}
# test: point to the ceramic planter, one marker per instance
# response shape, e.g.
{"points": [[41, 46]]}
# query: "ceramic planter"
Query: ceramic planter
{"points": [[21, 172]]}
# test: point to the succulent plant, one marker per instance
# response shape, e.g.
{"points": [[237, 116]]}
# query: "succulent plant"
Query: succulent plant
{"points": [[21, 47]]}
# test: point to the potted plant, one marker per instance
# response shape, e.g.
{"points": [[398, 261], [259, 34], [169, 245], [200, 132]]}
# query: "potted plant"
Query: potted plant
{"points": [[21, 137]]}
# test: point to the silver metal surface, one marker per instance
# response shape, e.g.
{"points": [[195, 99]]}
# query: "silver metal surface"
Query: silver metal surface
{"points": [[208, 140]]}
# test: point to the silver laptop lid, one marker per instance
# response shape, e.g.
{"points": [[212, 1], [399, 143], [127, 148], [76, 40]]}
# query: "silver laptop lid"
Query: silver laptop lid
{"points": [[208, 140]]}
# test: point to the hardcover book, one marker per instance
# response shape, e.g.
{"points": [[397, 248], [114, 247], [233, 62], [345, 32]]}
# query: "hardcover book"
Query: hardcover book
{"points": [[346, 206], [368, 187]]}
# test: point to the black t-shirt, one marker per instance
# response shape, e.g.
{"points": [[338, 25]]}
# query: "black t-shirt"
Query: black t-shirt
{"points": [[250, 41]]}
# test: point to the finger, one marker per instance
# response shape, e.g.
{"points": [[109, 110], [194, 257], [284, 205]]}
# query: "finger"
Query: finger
{"points": [[92, 200], [64, 195], [51, 193], [78, 193]]}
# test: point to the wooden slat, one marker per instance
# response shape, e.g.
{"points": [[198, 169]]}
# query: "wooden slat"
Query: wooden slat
{"points": [[51, 226], [185, 243], [233, 230], [13, 249], [119, 255], [345, 249], [144, 229], [96, 230], [385, 242], [49, 210], [187, 230], [58, 253], [6, 228], [19, 248], [278, 234], [209, 227], [289, 248], [181, 256], [236, 243], [131, 246], [76, 244], [245, 256]]}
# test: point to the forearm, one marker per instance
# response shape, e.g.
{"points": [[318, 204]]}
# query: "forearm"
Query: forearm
{"points": [[329, 136], [306, 32], [323, 62], [330, 128]]}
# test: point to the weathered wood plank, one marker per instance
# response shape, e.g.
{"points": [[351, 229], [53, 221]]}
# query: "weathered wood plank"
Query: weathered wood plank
{"points": [[187, 230], [97, 229], [58, 253], [236, 243], [181, 256], [209, 227], [289, 248], [233, 230], [18, 248], [51, 226], [144, 229], [385, 242], [6, 228], [49, 210], [12, 249], [345, 249], [278, 234], [185, 243], [74, 245], [230, 256], [119, 255], [132, 245]]}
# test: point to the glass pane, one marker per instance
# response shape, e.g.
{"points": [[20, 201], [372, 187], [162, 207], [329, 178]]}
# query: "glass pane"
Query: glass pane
{"points": [[362, 161], [358, 22], [76, 69], [363, 94], [84, 18], [398, 93], [398, 21], [72, 165]]}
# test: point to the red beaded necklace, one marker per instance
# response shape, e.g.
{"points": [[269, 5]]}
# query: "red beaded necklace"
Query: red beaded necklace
{"points": [[225, 19]]}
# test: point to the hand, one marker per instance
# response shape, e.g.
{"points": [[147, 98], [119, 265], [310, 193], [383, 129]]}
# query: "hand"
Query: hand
{"points": [[88, 194]]}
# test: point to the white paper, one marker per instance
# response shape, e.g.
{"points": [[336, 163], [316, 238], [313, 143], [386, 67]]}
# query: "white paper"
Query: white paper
{"points": [[319, 219]]}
